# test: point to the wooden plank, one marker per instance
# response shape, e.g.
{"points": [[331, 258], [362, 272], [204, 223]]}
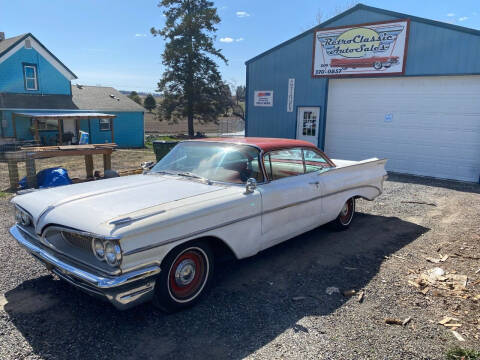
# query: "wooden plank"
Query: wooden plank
{"points": [[60, 131], [59, 153], [37, 135], [13, 174], [111, 129], [89, 166], [107, 162], [76, 147], [31, 172], [14, 124]]}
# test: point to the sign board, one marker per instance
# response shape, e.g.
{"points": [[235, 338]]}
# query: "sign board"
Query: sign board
{"points": [[367, 49], [290, 95], [263, 98]]}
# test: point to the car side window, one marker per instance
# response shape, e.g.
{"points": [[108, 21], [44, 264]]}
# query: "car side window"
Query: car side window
{"points": [[314, 161], [284, 163]]}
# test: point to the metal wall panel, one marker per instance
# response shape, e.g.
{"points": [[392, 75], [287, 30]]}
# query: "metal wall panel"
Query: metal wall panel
{"points": [[432, 50]]}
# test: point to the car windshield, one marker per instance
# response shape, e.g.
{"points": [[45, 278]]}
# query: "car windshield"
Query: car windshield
{"points": [[223, 162]]}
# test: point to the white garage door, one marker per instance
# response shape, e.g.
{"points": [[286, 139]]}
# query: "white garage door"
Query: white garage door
{"points": [[422, 125]]}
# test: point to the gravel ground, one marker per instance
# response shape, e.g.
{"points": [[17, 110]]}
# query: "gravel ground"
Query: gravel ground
{"points": [[275, 305]]}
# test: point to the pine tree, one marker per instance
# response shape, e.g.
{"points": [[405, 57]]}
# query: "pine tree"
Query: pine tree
{"points": [[191, 85], [149, 103]]}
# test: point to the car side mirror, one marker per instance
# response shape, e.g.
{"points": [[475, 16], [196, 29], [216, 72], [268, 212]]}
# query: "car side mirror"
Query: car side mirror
{"points": [[250, 186]]}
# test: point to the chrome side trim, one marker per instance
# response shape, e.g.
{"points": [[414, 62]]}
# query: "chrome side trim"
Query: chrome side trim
{"points": [[199, 232], [128, 219], [97, 281]]}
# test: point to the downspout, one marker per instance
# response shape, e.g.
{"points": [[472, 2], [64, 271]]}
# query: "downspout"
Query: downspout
{"points": [[246, 99]]}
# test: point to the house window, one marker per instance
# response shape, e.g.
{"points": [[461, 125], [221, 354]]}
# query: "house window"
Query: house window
{"points": [[47, 124], [104, 124], [30, 75]]}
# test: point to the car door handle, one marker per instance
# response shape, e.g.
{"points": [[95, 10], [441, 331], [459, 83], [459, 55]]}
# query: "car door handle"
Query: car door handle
{"points": [[314, 183]]}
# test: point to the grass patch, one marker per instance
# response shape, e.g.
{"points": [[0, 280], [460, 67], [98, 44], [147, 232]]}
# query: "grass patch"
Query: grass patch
{"points": [[3, 194], [458, 353]]}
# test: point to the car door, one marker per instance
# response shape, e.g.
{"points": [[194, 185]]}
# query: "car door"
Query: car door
{"points": [[290, 200]]}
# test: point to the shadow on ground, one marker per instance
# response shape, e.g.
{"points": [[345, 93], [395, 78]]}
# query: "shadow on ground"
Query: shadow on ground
{"points": [[250, 304]]}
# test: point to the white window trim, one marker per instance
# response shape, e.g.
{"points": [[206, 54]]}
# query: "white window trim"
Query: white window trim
{"points": [[109, 125], [30, 78]]}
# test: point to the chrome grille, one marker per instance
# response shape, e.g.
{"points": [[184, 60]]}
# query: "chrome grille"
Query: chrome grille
{"points": [[79, 241]]}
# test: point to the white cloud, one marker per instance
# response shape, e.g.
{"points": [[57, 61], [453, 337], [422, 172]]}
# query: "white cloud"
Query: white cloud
{"points": [[450, 14], [463, 18], [226, 40], [242, 14], [239, 39], [140, 35]]}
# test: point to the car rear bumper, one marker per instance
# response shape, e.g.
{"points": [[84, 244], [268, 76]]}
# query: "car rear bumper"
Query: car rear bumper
{"points": [[123, 291]]}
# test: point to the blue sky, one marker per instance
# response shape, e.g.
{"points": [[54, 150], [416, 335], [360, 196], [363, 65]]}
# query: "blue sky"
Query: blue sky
{"points": [[108, 42]]}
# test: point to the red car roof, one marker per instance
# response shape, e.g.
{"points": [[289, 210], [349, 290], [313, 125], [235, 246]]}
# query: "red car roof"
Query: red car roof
{"points": [[266, 144]]}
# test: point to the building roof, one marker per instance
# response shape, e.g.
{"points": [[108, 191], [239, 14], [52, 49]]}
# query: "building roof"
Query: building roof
{"points": [[266, 144], [6, 44], [372, 9], [97, 98], [10, 43], [102, 98], [57, 115]]}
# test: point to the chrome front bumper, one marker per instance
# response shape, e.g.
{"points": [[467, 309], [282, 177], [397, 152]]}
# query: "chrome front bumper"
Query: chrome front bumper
{"points": [[123, 291]]}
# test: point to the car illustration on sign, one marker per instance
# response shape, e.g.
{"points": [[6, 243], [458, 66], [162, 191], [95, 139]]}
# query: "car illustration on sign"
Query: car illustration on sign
{"points": [[156, 236], [376, 62]]}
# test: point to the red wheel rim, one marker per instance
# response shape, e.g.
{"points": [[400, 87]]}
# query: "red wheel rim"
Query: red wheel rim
{"points": [[347, 212], [188, 274]]}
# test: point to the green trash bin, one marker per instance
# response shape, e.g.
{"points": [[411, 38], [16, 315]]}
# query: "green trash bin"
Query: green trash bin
{"points": [[162, 147]]}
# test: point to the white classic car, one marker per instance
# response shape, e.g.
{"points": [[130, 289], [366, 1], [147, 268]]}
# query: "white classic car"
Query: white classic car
{"points": [[155, 236]]}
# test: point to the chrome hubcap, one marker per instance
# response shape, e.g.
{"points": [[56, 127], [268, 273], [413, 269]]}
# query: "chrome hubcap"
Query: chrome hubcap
{"points": [[185, 272], [345, 209]]}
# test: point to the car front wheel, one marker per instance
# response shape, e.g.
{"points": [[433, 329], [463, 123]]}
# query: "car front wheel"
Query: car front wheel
{"points": [[185, 276], [344, 219]]}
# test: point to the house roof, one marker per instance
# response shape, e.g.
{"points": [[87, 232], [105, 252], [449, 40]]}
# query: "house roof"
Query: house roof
{"points": [[102, 98], [83, 97], [57, 115], [372, 9], [6, 44], [266, 144]]}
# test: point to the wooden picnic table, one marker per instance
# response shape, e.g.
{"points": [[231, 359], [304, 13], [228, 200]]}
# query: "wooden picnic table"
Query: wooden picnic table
{"points": [[30, 154]]}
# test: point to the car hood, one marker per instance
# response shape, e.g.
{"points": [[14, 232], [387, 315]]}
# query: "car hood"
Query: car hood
{"points": [[87, 205]]}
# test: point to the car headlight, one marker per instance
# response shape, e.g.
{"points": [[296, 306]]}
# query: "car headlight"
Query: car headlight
{"points": [[22, 217], [113, 253], [98, 249], [108, 251]]}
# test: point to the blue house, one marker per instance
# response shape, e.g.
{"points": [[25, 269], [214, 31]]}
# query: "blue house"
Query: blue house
{"points": [[38, 101]]}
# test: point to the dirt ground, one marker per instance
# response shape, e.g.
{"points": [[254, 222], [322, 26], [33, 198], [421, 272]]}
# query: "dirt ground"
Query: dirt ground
{"points": [[75, 165], [277, 303]]}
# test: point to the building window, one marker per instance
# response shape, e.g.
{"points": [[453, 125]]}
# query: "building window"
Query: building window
{"points": [[30, 75], [47, 124], [104, 124]]}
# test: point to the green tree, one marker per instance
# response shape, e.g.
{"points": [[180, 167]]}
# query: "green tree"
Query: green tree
{"points": [[149, 103], [240, 93], [134, 96], [191, 85]]}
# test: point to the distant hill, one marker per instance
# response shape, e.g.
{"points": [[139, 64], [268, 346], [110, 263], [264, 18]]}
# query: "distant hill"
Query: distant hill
{"points": [[140, 93]]}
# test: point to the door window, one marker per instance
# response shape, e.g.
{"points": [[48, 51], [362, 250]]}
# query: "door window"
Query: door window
{"points": [[314, 161], [309, 123], [284, 163]]}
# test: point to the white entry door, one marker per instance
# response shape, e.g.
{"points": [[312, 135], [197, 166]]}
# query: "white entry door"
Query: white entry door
{"points": [[307, 124]]}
